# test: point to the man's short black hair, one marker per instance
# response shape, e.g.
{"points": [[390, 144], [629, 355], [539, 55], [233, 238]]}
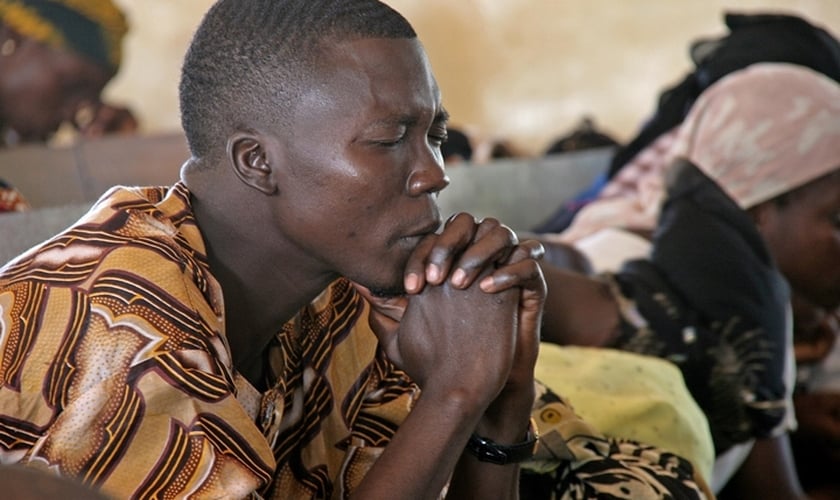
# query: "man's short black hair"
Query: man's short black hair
{"points": [[250, 59]]}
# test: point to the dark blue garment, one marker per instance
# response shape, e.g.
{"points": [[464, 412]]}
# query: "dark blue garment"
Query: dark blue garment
{"points": [[716, 305]]}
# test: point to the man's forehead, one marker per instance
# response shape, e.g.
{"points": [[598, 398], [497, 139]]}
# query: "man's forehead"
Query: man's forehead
{"points": [[392, 73]]}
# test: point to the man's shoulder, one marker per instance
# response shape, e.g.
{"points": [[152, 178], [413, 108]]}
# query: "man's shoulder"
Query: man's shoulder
{"points": [[129, 263], [128, 231], [112, 212]]}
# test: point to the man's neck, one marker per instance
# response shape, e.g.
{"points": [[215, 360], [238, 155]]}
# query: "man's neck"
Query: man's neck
{"points": [[263, 285], [258, 305]]}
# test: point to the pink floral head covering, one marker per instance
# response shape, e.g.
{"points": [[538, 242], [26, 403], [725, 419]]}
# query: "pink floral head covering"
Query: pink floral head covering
{"points": [[764, 130]]}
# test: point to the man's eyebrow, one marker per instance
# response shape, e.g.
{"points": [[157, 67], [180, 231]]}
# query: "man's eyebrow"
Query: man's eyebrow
{"points": [[441, 116]]}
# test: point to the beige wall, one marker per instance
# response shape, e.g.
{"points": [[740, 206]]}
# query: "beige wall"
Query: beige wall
{"points": [[525, 70]]}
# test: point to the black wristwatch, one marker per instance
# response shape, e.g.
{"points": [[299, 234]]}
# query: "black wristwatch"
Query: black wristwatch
{"points": [[487, 450]]}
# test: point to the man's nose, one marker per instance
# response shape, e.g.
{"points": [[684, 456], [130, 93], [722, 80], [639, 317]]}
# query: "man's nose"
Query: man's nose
{"points": [[428, 175]]}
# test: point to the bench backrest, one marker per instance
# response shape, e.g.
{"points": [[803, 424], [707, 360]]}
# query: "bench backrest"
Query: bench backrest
{"points": [[61, 183]]}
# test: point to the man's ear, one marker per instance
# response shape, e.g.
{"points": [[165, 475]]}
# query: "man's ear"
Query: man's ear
{"points": [[247, 156]]}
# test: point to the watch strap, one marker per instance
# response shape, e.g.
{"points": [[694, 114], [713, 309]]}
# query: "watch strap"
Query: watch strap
{"points": [[487, 450]]}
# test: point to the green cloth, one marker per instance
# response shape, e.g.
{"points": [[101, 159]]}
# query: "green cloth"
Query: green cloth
{"points": [[630, 396]]}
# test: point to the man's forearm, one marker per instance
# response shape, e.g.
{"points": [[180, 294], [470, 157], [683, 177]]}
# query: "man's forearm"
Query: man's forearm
{"points": [[422, 455]]}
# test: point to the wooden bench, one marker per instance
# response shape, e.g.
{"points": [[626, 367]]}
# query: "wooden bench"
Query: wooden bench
{"points": [[50, 177]]}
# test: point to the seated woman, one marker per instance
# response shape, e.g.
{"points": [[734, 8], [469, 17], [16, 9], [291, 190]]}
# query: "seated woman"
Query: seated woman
{"points": [[56, 56], [751, 209]]}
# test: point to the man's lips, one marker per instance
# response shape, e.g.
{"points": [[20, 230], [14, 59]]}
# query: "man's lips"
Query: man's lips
{"points": [[414, 236], [425, 229]]}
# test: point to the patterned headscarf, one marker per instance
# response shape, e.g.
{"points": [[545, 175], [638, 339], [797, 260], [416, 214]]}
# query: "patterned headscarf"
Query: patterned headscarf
{"points": [[764, 130], [93, 28]]}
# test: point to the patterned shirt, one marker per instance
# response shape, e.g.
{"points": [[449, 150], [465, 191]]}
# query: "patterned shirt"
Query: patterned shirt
{"points": [[115, 368]]}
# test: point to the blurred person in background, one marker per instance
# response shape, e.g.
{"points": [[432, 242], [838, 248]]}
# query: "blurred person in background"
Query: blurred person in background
{"points": [[585, 135], [56, 56], [457, 148]]}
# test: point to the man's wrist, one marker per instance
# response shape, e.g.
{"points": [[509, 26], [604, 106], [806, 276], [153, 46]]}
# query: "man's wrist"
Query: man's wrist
{"points": [[507, 416], [487, 450]]}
